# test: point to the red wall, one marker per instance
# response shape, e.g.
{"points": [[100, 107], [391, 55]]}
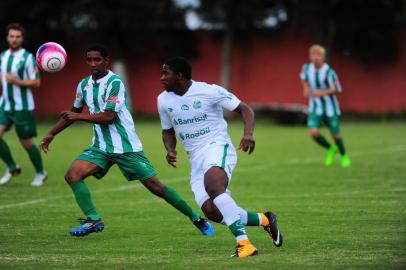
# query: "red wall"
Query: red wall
{"points": [[264, 71]]}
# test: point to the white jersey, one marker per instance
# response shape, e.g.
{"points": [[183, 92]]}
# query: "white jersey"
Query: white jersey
{"points": [[22, 65], [197, 116], [109, 94], [321, 79]]}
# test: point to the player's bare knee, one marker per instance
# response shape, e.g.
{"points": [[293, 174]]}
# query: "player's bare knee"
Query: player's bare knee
{"points": [[73, 176], [336, 136], [313, 133], [26, 143]]}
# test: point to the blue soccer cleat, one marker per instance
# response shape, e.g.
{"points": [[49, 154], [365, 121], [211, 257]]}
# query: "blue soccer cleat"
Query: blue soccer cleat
{"points": [[204, 226], [87, 226]]}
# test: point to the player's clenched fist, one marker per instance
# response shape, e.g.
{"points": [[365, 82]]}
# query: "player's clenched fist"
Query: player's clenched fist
{"points": [[247, 144], [171, 158]]}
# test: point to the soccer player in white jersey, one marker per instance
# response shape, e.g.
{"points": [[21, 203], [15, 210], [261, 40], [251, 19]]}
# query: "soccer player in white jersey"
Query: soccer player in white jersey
{"points": [[115, 142], [193, 112], [19, 75], [320, 85]]}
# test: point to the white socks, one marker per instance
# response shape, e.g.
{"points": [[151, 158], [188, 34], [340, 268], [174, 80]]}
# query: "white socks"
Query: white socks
{"points": [[228, 208], [231, 215]]}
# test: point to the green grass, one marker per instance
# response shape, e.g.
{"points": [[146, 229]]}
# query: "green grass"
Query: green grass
{"points": [[332, 218]]}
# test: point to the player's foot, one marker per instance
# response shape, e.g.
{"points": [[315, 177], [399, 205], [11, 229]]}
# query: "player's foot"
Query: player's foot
{"points": [[244, 249], [331, 154], [39, 179], [272, 229], [204, 226], [10, 174], [87, 226], [345, 161]]}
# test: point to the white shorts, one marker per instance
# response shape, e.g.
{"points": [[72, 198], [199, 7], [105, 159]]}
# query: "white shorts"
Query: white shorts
{"points": [[217, 154]]}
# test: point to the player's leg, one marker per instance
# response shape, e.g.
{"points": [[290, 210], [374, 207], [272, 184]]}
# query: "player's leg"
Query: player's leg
{"points": [[36, 160], [172, 197], [314, 123], [26, 130], [5, 154], [78, 171], [216, 182], [334, 127], [136, 166], [266, 220], [90, 162]]}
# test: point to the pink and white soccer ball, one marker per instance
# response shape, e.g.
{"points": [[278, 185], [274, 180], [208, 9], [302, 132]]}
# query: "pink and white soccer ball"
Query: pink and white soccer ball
{"points": [[51, 57]]}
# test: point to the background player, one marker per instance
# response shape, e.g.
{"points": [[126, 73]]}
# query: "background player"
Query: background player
{"points": [[320, 84], [115, 142], [19, 75], [194, 112]]}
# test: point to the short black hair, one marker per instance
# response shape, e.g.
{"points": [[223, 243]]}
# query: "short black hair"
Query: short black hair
{"points": [[15, 26], [180, 64], [98, 48]]}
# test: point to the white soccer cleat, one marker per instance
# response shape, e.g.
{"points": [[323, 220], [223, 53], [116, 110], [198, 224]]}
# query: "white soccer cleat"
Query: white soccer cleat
{"points": [[9, 175], [39, 179]]}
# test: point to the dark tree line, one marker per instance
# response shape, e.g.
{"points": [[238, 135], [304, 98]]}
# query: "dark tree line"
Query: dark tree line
{"points": [[366, 29]]}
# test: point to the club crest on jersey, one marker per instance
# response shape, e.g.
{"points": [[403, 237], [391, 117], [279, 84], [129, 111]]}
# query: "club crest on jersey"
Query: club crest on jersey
{"points": [[184, 107], [20, 64], [113, 99], [224, 93], [197, 104]]}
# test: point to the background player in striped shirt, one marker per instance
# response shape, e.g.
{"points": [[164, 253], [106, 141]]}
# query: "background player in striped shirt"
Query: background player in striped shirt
{"points": [[320, 84], [19, 75], [115, 142]]}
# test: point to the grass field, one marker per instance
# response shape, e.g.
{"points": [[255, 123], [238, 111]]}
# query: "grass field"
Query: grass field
{"points": [[332, 218]]}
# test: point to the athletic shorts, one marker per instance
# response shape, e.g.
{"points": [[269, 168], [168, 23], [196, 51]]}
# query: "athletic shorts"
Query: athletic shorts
{"points": [[332, 122], [133, 165], [24, 122], [217, 154]]}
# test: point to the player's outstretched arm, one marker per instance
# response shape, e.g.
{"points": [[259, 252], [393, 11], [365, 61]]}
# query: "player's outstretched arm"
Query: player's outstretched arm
{"points": [[106, 117], [247, 143], [169, 139], [58, 127]]}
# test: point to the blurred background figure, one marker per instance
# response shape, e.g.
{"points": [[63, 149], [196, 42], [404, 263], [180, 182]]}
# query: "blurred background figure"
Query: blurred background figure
{"points": [[19, 74]]}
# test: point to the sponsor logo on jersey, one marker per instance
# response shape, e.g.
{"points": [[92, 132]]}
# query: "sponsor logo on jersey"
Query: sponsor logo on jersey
{"points": [[170, 110], [197, 104], [187, 136], [184, 107], [113, 99], [187, 121]]}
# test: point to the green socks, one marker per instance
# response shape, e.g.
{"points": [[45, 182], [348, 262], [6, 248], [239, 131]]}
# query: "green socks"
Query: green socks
{"points": [[253, 219], [36, 159], [33, 153], [340, 145], [174, 198], [322, 141], [84, 199], [238, 230], [5, 155]]}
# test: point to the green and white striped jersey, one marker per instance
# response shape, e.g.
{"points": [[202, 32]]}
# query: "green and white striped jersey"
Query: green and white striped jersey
{"points": [[321, 79], [109, 94], [22, 64]]}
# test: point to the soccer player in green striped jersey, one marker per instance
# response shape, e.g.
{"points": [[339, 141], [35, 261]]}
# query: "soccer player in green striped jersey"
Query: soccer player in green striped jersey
{"points": [[320, 85], [19, 75], [115, 142]]}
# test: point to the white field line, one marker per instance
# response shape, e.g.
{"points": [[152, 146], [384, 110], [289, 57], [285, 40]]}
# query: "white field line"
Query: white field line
{"points": [[251, 167]]}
